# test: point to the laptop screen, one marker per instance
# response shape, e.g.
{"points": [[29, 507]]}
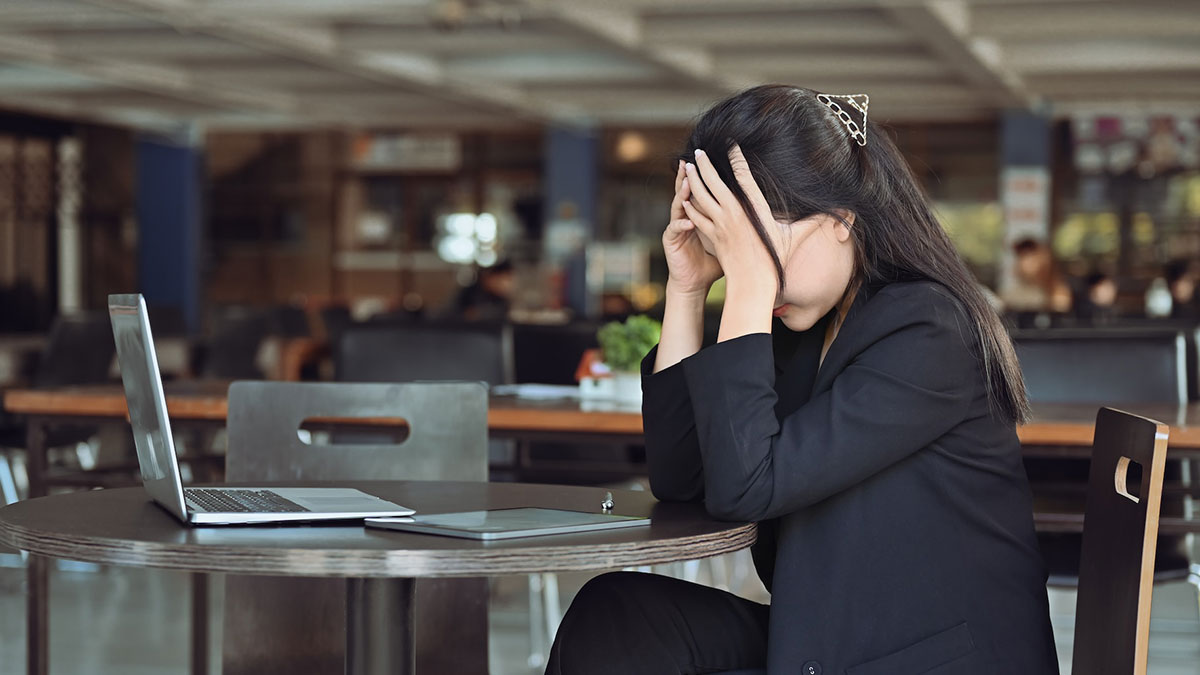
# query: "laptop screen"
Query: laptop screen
{"points": [[146, 402]]}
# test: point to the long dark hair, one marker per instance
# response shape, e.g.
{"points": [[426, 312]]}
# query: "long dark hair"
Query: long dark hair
{"points": [[806, 163]]}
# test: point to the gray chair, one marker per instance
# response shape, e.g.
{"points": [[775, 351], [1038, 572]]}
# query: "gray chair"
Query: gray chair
{"points": [[406, 352], [286, 625], [1104, 366]]}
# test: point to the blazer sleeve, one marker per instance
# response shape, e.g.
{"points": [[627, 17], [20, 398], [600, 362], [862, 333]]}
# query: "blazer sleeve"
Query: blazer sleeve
{"points": [[901, 393], [672, 449]]}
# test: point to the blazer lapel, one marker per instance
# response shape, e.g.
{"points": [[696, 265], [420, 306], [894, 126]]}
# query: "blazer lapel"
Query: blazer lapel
{"points": [[842, 350]]}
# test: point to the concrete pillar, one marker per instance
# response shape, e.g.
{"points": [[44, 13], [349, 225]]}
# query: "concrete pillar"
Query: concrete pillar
{"points": [[70, 233]]}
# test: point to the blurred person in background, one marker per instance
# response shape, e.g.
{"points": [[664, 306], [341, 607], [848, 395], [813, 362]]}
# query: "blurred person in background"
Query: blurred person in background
{"points": [[1098, 303], [1181, 281], [489, 297], [1038, 285]]}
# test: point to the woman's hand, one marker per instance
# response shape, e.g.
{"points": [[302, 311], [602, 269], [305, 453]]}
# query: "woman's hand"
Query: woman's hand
{"points": [[751, 281], [691, 270], [719, 216]]}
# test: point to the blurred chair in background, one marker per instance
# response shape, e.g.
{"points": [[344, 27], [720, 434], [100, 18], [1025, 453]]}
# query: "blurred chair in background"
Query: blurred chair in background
{"points": [[549, 354], [292, 625], [1104, 366], [231, 351], [288, 321], [167, 321], [403, 352], [79, 351]]}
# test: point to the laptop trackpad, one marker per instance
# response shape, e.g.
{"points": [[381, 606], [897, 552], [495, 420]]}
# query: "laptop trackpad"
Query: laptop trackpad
{"points": [[335, 500]]}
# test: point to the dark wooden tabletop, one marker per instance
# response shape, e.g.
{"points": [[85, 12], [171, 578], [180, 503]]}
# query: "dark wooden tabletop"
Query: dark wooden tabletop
{"points": [[1069, 424], [123, 527]]}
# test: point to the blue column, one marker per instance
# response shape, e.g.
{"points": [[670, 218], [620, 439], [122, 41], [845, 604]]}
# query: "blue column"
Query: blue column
{"points": [[169, 202], [571, 185], [1025, 139]]}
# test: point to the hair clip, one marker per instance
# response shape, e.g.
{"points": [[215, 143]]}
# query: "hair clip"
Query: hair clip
{"points": [[858, 133]]}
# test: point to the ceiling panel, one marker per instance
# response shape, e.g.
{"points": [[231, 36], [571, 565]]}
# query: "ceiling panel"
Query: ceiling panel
{"points": [[519, 62]]}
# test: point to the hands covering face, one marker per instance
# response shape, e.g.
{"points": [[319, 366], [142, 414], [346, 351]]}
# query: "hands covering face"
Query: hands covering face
{"points": [[714, 212]]}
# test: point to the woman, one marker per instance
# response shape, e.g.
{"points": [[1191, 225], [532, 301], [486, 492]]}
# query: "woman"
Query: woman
{"points": [[870, 432]]}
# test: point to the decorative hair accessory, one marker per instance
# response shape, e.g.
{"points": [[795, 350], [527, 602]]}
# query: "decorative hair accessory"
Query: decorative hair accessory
{"points": [[859, 102]]}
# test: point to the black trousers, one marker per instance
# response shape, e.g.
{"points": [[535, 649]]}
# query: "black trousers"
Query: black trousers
{"points": [[627, 623]]}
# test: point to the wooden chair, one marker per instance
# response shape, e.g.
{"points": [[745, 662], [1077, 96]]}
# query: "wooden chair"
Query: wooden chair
{"points": [[1116, 575], [295, 625]]}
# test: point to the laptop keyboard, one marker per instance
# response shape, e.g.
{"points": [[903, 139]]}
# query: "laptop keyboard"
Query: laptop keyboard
{"points": [[241, 501]]}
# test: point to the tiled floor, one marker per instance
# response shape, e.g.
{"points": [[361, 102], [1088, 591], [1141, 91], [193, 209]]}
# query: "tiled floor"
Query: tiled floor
{"points": [[120, 621]]}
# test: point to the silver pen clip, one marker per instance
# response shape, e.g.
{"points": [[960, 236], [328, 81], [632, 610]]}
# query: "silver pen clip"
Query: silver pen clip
{"points": [[607, 504]]}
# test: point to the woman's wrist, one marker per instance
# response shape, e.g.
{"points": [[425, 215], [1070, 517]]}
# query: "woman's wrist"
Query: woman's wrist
{"points": [[683, 326], [678, 291], [747, 310]]}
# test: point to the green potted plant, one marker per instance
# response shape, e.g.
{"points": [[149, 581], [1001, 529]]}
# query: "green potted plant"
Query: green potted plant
{"points": [[622, 347]]}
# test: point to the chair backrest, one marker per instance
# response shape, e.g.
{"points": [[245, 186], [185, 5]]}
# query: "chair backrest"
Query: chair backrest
{"points": [[288, 321], [232, 348], [276, 625], [80, 351], [386, 352], [1120, 532], [549, 354], [1104, 366], [167, 321], [447, 431]]}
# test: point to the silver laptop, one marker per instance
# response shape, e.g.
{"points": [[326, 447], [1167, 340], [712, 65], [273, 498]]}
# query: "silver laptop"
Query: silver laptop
{"points": [[156, 449]]}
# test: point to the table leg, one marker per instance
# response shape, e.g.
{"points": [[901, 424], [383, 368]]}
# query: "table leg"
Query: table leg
{"points": [[35, 449], [379, 627], [199, 623], [37, 616], [37, 595]]}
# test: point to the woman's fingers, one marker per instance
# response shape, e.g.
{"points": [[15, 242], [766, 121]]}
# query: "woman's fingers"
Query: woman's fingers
{"points": [[741, 172], [679, 175], [701, 196], [701, 222], [681, 193], [712, 180]]}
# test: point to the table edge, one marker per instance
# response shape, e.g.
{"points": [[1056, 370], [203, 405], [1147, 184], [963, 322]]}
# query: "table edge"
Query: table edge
{"points": [[383, 563]]}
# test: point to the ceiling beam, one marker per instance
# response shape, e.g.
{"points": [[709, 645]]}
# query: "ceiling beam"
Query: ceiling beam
{"points": [[944, 25], [321, 47], [625, 31], [468, 40], [777, 29], [798, 66], [1095, 22], [144, 77]]}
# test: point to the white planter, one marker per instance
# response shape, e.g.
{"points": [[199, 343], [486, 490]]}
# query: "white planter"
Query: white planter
{"points": [[627, 388], [596, 389]]}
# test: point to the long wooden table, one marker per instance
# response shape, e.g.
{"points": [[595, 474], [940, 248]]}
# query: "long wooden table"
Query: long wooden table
{"points": [[1059, 425]]}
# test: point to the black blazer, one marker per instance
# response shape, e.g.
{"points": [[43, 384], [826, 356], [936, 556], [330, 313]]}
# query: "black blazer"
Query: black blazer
{"points": [[896, 528]]}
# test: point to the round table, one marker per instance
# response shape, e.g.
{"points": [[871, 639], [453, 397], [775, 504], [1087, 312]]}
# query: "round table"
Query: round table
{"points": [[122, 527]]}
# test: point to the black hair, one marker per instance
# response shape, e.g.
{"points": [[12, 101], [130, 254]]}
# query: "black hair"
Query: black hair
{"points": [[1094, 279], [806, 163], [1176, 270]]}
